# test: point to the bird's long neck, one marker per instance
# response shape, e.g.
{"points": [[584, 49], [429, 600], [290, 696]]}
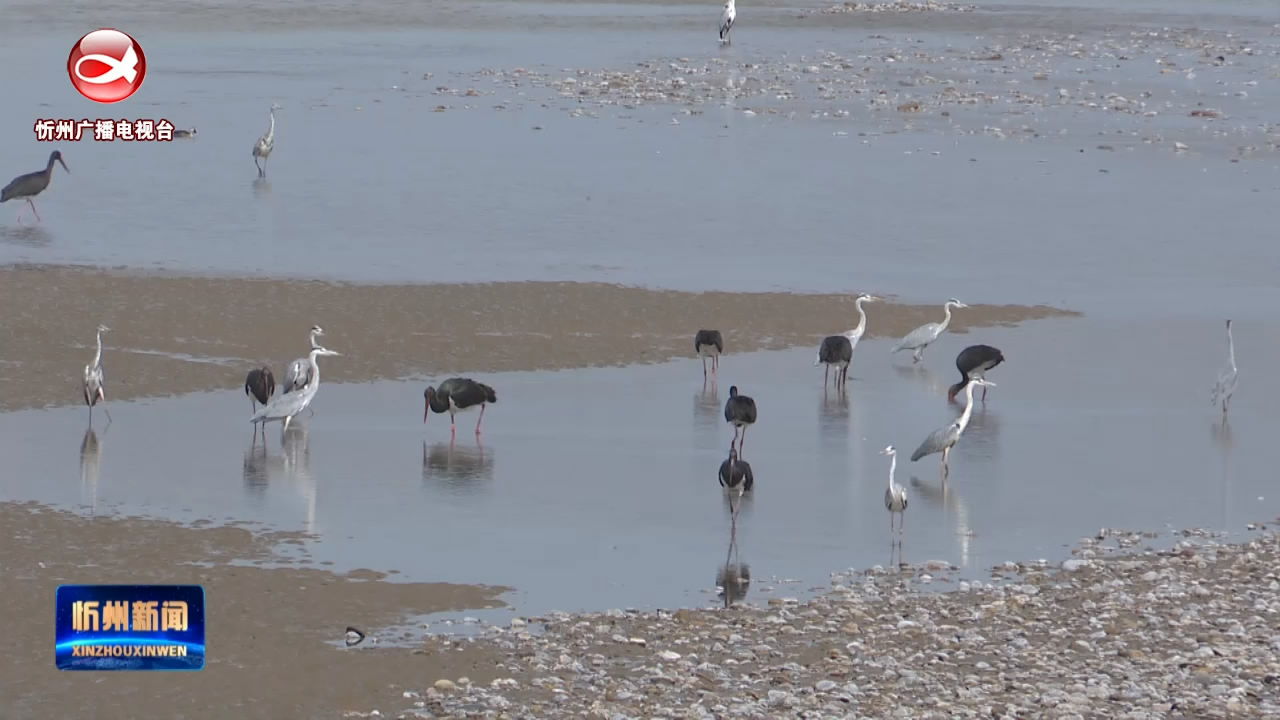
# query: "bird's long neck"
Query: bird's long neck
{"points": [[1231, 348], [315, 368], [271, 128], [862, 319], [945, 320], [893, 467], [97, 357], [963, 422], [48, 169], [314, 344]]}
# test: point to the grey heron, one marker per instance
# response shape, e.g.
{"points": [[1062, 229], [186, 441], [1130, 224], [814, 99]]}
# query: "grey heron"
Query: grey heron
{"points": [[895, 496], [457, 395], [727, 16], [838, 349], [974, 361], [94, 381], [295, 376], [943, 439], [708, 344], [920, 338], [1225, 386], [29, 185], [739, 411], [262, 149], [285, 407]]}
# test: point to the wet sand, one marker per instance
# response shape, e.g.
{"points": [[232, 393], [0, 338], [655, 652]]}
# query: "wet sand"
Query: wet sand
{"points": [[172, 334], [270, 632]]}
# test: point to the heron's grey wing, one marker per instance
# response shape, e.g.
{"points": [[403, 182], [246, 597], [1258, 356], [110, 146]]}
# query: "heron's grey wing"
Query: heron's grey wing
{"points": [[283, 406], [936, 441], [916, 338], [294, 374]]}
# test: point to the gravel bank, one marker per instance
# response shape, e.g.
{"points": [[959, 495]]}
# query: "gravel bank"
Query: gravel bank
{"points": [[1119, 631]]}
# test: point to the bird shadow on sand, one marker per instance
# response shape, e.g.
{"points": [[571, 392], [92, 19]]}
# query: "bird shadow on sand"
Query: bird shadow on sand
{"points": [[733, 577], [457, 464], [261, 187], [25, 235]]}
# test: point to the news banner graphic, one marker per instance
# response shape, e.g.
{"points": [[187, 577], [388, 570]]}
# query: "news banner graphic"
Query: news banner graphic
{"points": [[129, 627], [106, 65]]}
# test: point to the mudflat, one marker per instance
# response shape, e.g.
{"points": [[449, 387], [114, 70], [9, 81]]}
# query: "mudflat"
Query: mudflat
{"points": [[173, 334], [270, 631]]}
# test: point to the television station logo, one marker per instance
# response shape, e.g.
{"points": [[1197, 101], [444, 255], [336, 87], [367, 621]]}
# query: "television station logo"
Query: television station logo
{"points": [[106, 65]]}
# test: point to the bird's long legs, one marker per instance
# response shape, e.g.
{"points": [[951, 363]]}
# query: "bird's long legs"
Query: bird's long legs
{"points": [[33, 209], [704, 367], [918, 355], [946, 469], [826, 376], [452, 427], [715, 363], [482, 406]]}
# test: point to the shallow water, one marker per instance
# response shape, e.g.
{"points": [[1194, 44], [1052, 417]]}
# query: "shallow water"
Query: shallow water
{"points": [[597, 487], [368, 184]]}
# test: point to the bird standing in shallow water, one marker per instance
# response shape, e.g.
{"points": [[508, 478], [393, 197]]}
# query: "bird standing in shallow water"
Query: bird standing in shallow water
{"points": [[838, 350], [285, 407], [974, 361], [739, 411], [262, 149], [296, 375], [457, 395], [94, 381], [26, 187], [708, 344], [727, 16], [943, 439], [259, 385], [895, 496], [1225, 386], [920, 338], [736, 474]]}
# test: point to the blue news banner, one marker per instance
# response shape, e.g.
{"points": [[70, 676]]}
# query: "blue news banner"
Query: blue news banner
{"points": [[129, 627]]}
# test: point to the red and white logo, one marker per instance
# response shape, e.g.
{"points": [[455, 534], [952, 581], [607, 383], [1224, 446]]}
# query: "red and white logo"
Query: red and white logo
{"points": [[106, 66]]}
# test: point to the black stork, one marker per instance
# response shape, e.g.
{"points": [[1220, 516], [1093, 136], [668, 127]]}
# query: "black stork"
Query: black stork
{"points": [[736, 474], [259, 385], [457, 395], [26, 187], [739, 411], [708, 343], [974, 362]]}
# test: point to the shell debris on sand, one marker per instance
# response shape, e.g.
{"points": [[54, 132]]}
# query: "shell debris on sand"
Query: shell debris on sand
{"points": [[1187, 631]]}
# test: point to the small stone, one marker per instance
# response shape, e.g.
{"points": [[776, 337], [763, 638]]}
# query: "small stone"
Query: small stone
{"points": [[669, 656], [445, 685]]}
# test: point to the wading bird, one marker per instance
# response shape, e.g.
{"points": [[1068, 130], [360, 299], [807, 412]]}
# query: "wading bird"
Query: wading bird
{"points": [[943, 439], [259, 385], [917, 340], [94, 387], [295, 376], [895, 496], [736, 474], [457, 395], [1225, 386], [974, 361], [727, 16], [838, 350], [285, 407], [708, 344], [26, 187], [739, 411], [262, 149]]}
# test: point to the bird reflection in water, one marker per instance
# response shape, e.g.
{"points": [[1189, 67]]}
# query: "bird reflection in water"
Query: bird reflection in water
{"points": [[457, 464], [833, 418], [706, 405], [733, 578], [1224, 439], [920, 374], [26, 235], [261, 187], [951, 503], [90, 466], [292, 466]]}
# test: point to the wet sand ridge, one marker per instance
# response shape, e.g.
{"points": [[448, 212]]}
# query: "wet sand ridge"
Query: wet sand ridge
{"points": [[172, 334], [266, 632]]}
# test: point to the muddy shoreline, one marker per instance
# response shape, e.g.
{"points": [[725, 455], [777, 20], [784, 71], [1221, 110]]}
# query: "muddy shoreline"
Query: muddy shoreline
{"points": [[173, 334], [269, 630]]}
